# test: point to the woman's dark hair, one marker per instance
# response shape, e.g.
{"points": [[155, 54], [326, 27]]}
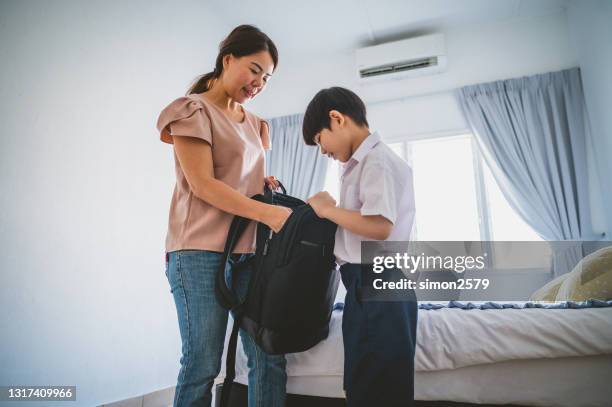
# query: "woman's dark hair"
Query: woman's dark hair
{"points": [[317, 117], [243, 40]]}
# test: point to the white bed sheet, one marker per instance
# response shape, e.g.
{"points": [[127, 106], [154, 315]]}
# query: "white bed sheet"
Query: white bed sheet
{"points": [[450, 338], [530, 357]]}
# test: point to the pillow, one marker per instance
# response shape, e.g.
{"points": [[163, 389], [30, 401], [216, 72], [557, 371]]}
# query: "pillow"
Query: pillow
{"points": [[549, 291], [590, 279]]}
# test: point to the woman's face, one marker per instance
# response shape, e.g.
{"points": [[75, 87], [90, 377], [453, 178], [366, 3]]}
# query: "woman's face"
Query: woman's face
{"points": [[245, 77]]}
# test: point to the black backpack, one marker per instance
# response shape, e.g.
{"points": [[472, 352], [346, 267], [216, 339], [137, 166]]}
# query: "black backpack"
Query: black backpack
{"points": [[291, 293]]}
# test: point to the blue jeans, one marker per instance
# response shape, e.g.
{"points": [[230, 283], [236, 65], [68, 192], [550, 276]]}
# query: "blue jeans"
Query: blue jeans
{"points": [[202, 324]]}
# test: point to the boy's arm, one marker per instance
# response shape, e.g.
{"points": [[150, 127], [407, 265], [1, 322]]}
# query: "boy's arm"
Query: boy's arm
{"points": [[370, 226]]}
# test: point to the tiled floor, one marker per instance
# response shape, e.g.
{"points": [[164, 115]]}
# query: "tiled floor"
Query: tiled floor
{"points": [[160, 398]]}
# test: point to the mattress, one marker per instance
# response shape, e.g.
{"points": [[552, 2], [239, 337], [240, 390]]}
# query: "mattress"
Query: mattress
{"points": [[554, 356], [562, 382]]}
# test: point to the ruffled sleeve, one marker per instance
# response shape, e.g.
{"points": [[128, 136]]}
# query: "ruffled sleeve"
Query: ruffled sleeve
{"points": [[184, 117], [264, 132]]}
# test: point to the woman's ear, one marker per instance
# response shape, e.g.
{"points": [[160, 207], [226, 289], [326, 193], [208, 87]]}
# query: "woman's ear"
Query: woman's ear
{"points": [[226, 60]]}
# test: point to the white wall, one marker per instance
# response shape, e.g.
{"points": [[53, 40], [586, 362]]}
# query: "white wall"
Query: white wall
{"points": [[86, 186], [590, 27], [86, 183], [476, 53]]}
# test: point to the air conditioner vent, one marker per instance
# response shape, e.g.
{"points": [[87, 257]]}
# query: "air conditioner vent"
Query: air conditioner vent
{"points": [[399, 67], [417, 56]]}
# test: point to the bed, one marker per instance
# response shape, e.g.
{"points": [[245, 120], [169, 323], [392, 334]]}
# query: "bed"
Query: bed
{"points": [[481, 354]]}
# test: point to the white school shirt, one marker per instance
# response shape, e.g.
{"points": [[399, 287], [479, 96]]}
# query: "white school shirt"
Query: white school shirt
{"points": [[375, 181]]}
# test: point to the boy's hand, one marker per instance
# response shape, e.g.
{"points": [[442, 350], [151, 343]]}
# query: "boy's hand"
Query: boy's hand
{"points": [[321, 202]]}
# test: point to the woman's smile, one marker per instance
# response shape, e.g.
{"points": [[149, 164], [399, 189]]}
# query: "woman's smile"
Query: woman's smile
{"points": [[248, 92]]}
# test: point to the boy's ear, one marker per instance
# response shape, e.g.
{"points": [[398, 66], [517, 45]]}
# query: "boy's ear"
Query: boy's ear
{"points": [[336, 116]]}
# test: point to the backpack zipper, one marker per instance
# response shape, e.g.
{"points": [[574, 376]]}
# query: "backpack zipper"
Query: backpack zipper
{"points": [[267, 243], [294, 232], [315, 245]]}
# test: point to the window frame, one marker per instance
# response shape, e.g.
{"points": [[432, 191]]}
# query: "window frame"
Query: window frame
{"points": [[482, 200]]}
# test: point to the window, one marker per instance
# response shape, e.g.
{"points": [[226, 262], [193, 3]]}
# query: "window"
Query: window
{"points": [[444, 189], [505, 222], [455, 194], [506, 225], [332, 179]]}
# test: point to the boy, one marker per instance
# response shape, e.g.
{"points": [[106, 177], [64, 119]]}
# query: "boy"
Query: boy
{"points": [[376, 203]]}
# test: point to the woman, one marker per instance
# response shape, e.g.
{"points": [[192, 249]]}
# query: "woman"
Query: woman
{"points": [[219, 163]]}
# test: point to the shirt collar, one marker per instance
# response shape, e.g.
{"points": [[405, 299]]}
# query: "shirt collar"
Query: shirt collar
{"points": [[364, 148]]}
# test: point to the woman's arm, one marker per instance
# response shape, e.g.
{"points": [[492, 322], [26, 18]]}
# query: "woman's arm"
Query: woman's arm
{"points": [[195, 158]]}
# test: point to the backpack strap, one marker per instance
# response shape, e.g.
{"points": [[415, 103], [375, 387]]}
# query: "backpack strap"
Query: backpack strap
{"points": [[225, 296], [230, 364], [229, 300]]}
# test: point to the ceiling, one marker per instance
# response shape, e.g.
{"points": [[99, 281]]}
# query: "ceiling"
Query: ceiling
{"points": [[318, 26]]}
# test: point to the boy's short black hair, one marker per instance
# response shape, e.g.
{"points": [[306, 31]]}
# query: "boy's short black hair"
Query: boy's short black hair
{"points": [[317, 117]]}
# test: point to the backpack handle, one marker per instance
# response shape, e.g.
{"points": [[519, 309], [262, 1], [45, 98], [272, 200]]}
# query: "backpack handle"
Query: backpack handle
{"points": [[282, 187]]}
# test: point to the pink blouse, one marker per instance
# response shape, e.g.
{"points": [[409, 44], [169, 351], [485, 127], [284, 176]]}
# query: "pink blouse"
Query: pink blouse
{"points": [[238, 160]]}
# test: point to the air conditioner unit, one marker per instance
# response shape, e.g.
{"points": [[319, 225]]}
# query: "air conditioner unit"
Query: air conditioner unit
{"points": [[407, 58]]}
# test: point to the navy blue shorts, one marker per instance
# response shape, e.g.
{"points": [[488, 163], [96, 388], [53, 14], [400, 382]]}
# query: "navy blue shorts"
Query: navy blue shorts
{"points": [[379, 343]]}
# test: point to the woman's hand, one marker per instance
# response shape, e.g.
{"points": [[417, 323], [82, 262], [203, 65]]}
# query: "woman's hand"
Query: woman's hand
{"points": [[276, 217], [272, 182]]}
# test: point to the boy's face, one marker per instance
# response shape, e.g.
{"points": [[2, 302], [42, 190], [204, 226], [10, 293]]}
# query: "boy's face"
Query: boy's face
{"points": [[335, 142]]}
